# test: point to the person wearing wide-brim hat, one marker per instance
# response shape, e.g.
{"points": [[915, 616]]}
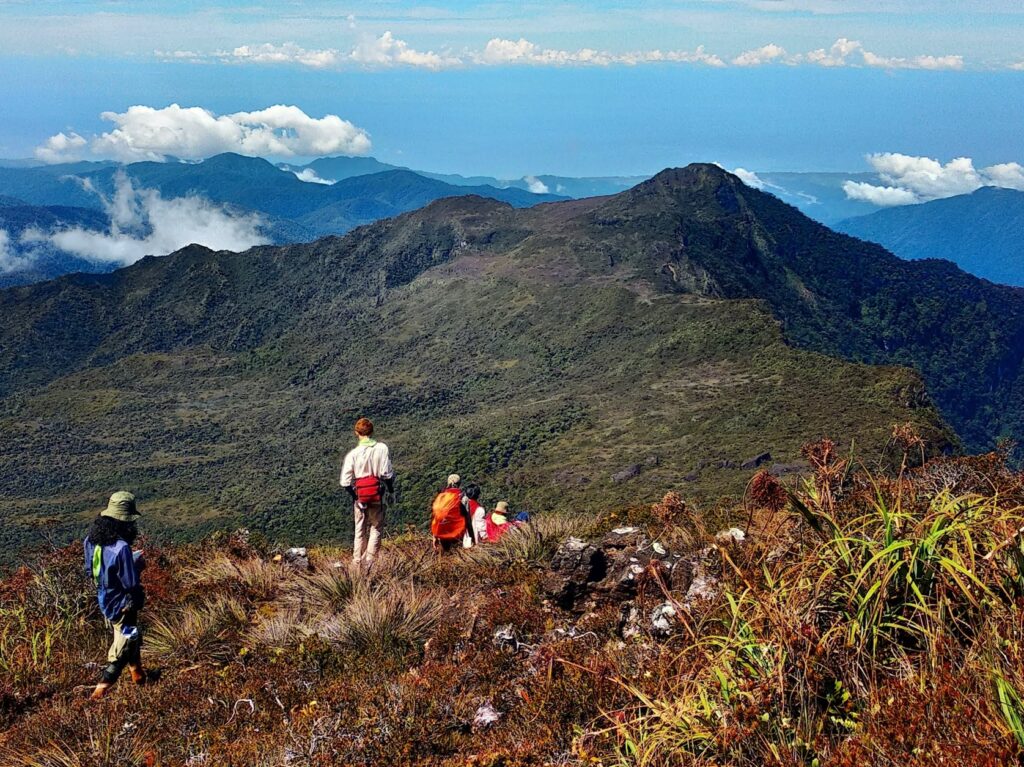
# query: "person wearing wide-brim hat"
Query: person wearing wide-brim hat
{"points": [[114, 569], [498, 522]]}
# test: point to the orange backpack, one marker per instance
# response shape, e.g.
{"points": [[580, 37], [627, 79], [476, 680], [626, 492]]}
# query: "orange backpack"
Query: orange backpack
{"points": [[446, 520]]}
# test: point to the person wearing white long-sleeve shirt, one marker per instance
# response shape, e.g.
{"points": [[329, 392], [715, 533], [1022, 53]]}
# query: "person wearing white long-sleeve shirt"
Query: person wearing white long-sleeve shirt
{"points": [[366, 474]]}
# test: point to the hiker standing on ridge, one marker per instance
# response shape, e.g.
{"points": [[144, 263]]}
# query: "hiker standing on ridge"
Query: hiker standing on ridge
{"points": [[366, 475], [115, 568]]}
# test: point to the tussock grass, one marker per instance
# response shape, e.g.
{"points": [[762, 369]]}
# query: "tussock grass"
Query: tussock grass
{"points": [[258, 578], [392, 619], [325, 590], [198, 633], [532, 544]]}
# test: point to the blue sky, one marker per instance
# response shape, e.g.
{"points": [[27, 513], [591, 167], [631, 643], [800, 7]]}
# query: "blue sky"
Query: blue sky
{"points": [[516, 88]]}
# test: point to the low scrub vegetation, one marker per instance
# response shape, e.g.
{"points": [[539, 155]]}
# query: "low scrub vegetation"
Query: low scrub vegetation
{"points": [[853, 617]]}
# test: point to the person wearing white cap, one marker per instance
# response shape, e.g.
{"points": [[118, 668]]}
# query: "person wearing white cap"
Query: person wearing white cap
{"points": [[449, 516]]}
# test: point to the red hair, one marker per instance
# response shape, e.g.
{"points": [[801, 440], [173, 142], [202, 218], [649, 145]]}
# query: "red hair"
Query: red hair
{"points": [[364, 427]]}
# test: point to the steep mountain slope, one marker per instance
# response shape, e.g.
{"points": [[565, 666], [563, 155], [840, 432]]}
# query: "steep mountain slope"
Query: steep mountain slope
{"points": [[707, 232], [539, 350], [979, 232]]}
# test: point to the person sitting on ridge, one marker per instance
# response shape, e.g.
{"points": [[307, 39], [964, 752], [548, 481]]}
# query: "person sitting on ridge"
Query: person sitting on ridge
{"points": [[498, 522], [449, 516], [366, 475], [477, 531], [114, 569]]}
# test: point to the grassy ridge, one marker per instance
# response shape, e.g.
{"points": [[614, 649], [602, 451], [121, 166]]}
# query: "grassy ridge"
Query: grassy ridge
{"points": [[865, 619]]}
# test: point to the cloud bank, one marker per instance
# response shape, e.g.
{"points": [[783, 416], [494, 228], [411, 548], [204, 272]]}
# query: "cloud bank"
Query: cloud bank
{"points": [[390, 51], [844, 53], [143, 223], [908, 180], [192, 133]]}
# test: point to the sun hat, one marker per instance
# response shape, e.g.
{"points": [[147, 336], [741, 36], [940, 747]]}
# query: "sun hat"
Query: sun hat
{"points": [[454, 480], [121, 506]]}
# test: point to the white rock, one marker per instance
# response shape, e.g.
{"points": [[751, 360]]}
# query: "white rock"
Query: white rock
{"points": [[486, 715], [663, 618], [732, 535]]}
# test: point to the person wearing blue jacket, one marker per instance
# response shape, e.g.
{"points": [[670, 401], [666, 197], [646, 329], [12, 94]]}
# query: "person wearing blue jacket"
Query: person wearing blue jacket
{"points": [[114, 569]]}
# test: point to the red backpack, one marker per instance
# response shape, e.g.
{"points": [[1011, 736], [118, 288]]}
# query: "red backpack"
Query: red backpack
{"points": [[446, 520], [494, 530], [368, 489]]}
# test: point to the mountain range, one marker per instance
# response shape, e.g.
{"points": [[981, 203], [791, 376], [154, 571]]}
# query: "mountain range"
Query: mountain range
{"points": [[289, 210], [332, 195], [684, 330], [979, 232]]}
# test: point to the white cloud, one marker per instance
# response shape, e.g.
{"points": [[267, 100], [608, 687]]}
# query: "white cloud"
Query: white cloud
{"points": [[288, 53], [62, 148], [191, 133], [835, 56], [501, 52], [1009, 175], [535, 185], [309, 176], [1019, 66], [187, 56], [883, 196], [749, 178], [842, 53], [388, 50], [144, 223], [908, 179], [914, 62], [10, 261], [766, 54]]}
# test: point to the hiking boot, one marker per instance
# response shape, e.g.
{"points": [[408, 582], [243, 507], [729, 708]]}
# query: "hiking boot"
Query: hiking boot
{"points": [[138, 674], [100, 691]]}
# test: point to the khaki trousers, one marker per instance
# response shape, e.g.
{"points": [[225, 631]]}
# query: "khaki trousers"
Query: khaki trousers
{"points": [[369, 526], [123, 651]]}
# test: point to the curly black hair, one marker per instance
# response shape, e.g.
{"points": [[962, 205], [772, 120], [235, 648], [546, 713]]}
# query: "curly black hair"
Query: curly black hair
{"points": [[107, 530]]}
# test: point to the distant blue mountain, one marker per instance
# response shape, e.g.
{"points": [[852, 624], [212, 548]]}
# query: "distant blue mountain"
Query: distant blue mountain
{"points": [[339, 168], [980, 232], [291, 210], [47, 262]]}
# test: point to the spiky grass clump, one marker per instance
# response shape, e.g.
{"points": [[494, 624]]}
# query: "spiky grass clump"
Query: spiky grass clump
{"points": [[198, 633], [531, 544], [391, 619], [254, 578]]}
